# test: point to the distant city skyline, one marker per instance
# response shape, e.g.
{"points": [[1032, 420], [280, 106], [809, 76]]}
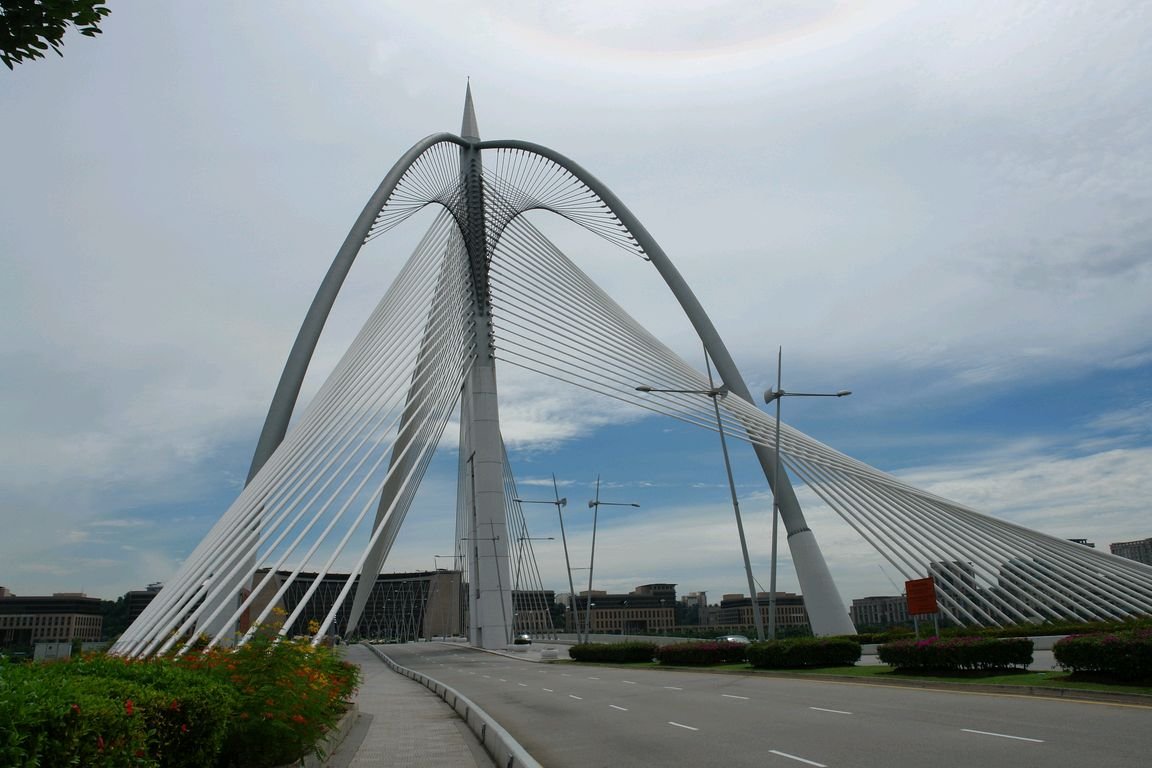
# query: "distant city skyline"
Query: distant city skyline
{"points": [[937, 207]]}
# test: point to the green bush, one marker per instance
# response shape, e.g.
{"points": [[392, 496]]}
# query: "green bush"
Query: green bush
{"points": [[615, 653], [265, 704], [804, 652], [704, 654], [1125, 656], [957, 654]]}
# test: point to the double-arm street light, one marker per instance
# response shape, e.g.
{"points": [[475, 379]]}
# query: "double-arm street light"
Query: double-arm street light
{"points": [[595, 505], [716, 393], [560, 503], [775, 396]]}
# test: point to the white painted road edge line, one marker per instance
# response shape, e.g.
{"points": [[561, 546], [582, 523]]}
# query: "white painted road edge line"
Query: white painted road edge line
{"points": [[681, 725], [622, 709], [733, 696], [1003, 735], [833, 711], [798, 759]]}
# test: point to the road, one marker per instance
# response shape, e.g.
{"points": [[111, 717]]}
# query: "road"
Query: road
{"points": [[570, 716]]}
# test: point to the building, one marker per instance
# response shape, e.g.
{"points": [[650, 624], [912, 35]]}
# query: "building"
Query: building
{"points": [[694, 607], [139, 599], [58, 618], [648, 609], [791, 615], [401, 606], [1140, 551], [1085, 542], [880, 612], [534, 611]]}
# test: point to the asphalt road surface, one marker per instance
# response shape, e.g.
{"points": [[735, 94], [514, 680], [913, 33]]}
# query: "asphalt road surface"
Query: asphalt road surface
{"points": [[570, 716]]}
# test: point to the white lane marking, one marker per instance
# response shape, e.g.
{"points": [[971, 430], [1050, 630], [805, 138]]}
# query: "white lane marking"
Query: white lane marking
{"points": [[548, 689], [681, 725], [672, 688], [565, 674], [798, 759], [1003, 735], [501, 679], [622, 709], [593, 678], [522, 685], [573, 696], [833, 711], [628, 682], [732, 696], [487, 676]]}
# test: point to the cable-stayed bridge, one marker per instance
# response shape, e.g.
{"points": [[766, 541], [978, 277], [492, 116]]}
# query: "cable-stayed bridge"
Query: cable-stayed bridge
{"points": [[485, 286]]}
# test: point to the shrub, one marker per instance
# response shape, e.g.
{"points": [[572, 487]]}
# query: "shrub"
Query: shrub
{"points": [[701, 654], [804, 652], [1126, 656], [617, 653], [957, 654]]}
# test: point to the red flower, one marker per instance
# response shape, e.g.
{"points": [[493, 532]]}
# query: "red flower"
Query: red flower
{"points": [[99, 743], [129, 708], [76, 709], [299, 719], [183, 727]]}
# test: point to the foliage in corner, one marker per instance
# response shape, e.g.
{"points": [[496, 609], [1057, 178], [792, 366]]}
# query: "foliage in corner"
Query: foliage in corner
{"points": [[28, 27]]}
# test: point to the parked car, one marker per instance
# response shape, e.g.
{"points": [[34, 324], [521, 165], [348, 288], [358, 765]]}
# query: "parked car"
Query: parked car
{"points": [[740, 639], [522, 639]]}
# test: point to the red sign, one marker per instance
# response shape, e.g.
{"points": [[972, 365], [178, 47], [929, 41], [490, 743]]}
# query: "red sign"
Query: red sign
{"points": [[921, 596]]}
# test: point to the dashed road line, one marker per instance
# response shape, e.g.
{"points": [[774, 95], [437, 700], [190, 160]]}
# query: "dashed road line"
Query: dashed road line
{"points": [[522, 685], [573, 696], [798, 759], [622, 709], [733, 696], [628, 682], [548, 689], [672, 688], [833, 711], [681, 725], [1003, 735], [593, 678]]}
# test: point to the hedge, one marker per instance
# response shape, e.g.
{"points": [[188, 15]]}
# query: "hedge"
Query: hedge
{"points": [[804, 652], [1125, 656], [618, 653], [265, 704], [693, 654], [957, 654]]}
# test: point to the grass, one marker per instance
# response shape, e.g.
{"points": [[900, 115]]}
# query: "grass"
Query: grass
{"points": [[1055, 679]]}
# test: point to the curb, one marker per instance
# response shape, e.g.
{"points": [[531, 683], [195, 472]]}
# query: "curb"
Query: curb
{"points": [[505, 751]]}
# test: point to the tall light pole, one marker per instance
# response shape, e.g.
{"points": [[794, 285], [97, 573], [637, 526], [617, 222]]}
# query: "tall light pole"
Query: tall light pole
{"points": [[595, 504], [560, 503], [775, 396], [716, 393]]}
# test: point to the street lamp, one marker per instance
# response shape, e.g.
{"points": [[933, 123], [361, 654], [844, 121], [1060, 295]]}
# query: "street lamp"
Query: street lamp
{"points": [[775, 396], [559, 502], [716, 393], [595, 505]]}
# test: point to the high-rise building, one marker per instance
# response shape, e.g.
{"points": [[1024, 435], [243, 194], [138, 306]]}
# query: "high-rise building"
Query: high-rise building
{"points": [[1140, 551], [880, 612]]}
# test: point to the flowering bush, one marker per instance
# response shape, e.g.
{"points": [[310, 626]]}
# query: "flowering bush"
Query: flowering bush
{"points": [[701, 654], [613, 653], [1126, 656], [804, 652], [957, 654], [264, 704]]}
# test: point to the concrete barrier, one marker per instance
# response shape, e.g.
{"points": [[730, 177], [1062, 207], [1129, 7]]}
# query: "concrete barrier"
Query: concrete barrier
{"points": [[505, 751]]}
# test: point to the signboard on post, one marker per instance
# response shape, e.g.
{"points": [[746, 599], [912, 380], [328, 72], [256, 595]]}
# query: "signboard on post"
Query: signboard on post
{"points": [[921, 596]]}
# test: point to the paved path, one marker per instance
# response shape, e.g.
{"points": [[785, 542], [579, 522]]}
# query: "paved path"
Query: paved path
{"points": [[403, 725]]}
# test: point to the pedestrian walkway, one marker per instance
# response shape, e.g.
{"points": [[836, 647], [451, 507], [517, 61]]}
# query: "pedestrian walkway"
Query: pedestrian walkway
{"points": [[403, 725]]}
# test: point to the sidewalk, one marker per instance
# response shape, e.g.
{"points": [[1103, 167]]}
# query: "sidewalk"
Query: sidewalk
{"points": [[403, 725]]}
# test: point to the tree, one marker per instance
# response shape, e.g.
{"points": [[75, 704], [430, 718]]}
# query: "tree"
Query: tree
{"points": [[28, 27]]}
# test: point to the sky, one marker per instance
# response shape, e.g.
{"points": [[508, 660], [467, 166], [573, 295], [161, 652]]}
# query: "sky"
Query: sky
{"points": [[942, 207]]}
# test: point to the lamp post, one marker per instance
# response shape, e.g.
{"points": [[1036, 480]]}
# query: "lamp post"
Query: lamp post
{"points": [[716, 393], [595, 505], [775, 396], [560, 503]]}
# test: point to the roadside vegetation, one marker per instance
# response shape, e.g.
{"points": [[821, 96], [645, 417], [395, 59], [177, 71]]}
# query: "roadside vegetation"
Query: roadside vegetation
{"points": [[266, 704]]}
